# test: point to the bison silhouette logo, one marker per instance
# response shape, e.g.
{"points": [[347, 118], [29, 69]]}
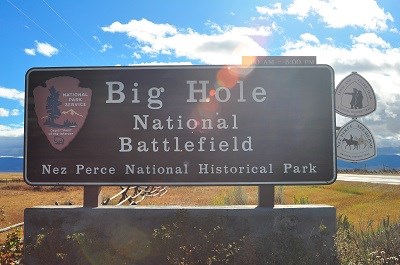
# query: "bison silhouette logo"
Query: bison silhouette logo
{"points": [[61, 108]]}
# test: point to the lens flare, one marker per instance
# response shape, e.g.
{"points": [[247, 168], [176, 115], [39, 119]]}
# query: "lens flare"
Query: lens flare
{"points": [[249, 61], [212, 92], [207, 109], [226, 77]]}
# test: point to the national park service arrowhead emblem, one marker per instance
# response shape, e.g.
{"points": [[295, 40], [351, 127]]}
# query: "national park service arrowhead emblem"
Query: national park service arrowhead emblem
{"points": [[355, 97], [354, 142], [61, 108]]}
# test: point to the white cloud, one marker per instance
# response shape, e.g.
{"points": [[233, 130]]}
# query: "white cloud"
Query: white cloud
{"points": [[30, 51], [43, 48], [143, 30], [96, 39], [276, 9], [163, 63], [13, 94], [105, 47], [227, 46], [11, 131], [214, 26], [365, 14], [46, 49], [308, 37], [362, 54], [15, 112], [370, 39], [137, 55], [4, 112]]}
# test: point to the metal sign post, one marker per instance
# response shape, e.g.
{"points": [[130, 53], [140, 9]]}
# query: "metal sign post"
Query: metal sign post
{"points": [[91, 196], [266, 196]]}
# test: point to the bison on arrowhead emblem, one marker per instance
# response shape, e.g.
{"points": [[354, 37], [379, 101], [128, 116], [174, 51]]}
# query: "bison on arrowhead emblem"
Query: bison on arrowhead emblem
{"points": [[61, 108]]}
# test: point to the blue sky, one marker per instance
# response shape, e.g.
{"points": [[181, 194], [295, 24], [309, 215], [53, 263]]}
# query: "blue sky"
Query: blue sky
{"points": [[349, 35]]}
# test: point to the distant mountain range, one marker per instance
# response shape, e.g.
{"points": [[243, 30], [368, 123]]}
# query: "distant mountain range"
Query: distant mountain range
{"points": [[380, 162], [385, 160], [11, 164]]}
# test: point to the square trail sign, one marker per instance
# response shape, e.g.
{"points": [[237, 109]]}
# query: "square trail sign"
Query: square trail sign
{"points": [[186, 125]]}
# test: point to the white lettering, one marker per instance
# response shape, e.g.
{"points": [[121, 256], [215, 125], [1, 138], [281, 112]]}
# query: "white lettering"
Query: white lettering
{"points": [[223, 94], [94, 170], [153, 101], [49, 169], [126, 144], [259, 91], [119, 95], [202, 90], [227, 94]]}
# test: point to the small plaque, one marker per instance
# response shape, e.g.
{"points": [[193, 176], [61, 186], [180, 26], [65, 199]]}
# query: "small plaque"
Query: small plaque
{"points": [[355, 142], [279, 60], [355, 97]]}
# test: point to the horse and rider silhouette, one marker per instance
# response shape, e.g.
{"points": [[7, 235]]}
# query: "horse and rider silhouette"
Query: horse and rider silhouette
{"points": [[351, 142]]}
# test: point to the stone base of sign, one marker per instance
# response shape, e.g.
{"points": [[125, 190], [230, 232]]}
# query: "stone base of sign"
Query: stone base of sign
{"points": [[154, 235]]}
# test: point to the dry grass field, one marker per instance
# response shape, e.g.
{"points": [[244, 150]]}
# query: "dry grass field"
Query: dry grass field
{"points": [[364, 204]]}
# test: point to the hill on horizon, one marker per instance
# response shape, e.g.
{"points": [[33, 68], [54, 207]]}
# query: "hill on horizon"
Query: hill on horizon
{"points": [[381, 162], [11, 164]]}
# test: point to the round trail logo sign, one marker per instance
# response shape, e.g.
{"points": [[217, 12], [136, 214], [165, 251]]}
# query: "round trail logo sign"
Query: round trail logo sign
{"points": [[61, 107], [355, 97], [355, 142]]}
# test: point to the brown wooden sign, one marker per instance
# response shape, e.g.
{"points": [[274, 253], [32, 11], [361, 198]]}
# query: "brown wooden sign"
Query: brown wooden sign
{"points": [[186, 125]]}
